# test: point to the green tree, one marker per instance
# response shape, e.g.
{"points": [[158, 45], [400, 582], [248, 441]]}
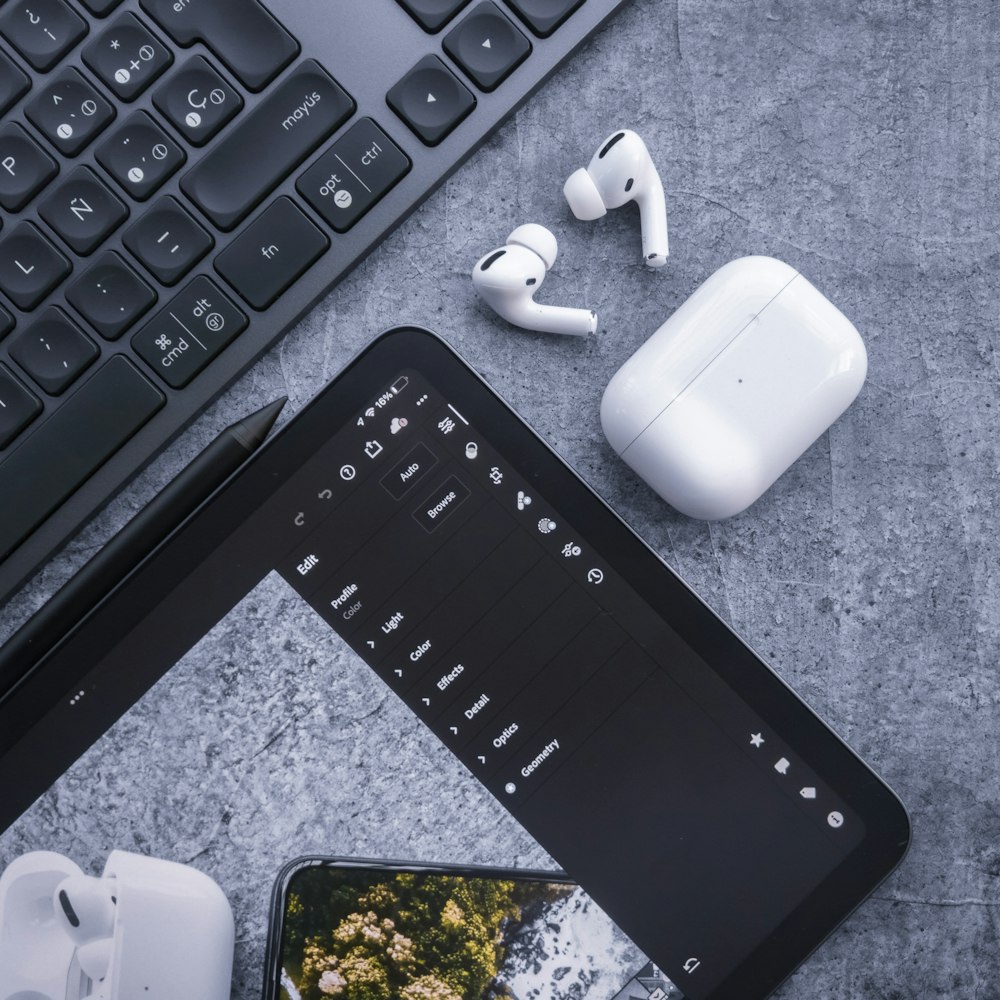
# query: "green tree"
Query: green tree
{"points": [[409, 937]]}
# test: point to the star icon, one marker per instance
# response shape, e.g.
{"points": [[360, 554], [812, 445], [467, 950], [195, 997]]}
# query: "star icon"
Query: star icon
{"points": [[757, 740], [115, 44]]}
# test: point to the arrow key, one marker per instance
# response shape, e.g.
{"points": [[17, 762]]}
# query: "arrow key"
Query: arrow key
{"points": [[433, 15], [487, 45], [431, 100]]}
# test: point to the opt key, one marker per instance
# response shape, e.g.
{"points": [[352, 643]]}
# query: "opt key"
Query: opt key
{"points": [[353, 175]]}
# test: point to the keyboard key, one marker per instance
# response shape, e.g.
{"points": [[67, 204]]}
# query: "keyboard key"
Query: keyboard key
{"points": [[82, 210], [240, 32], [24, 168], [100, 7], [271, 254], [197, 101], [189, 332], [110, 295], [168, 241], [13, 83], [30, 266], [140, 155], [18, 407], [263, 148], [53, 351], [353, 175], [127, 57], [6, 322], [72, 444], [487, 46], [431, 100], [69, 112], [544, 16], [43, 31], [432, 15]]}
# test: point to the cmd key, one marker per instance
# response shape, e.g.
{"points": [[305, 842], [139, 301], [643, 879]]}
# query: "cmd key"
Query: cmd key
{"points": [[240, 32], [262, 149]]}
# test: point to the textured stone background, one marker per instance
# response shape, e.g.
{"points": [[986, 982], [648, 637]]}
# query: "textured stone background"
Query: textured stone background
{"points": [[856, 139]]}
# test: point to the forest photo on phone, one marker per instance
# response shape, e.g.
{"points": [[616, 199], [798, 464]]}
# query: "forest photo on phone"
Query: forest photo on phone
{"points": [[349, 935]]}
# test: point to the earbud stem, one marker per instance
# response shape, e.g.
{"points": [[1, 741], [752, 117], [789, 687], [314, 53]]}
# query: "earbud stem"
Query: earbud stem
{"points": [[561, 319], [653, 217]]}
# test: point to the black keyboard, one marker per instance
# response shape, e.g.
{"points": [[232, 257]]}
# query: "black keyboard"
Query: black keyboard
{"points": [[182, 180]]}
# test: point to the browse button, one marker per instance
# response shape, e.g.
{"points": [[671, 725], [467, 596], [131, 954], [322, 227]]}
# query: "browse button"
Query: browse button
{"points": [[440, 504]]}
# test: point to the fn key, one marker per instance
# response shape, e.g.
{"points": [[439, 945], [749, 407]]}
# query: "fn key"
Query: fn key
{"points": [[271, 253]]}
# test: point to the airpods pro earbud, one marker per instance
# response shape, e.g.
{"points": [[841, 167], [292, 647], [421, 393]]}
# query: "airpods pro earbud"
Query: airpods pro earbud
{"points": [[86, 907], [508, 279], [622, 171]]}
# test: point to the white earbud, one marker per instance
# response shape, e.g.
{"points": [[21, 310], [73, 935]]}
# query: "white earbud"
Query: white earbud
{"points": [[507, 280], [86, 907], [622, 171]]}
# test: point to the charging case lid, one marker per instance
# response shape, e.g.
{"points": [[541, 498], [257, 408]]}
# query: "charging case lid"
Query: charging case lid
{"points": [[37, 957], [734, 387]]}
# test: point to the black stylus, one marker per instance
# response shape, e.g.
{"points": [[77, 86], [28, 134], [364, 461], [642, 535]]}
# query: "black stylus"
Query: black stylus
{"points": [[123, 552]]}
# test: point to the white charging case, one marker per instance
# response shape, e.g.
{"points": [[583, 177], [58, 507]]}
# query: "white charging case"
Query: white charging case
{"points": [[173, 933], [734, 387]]}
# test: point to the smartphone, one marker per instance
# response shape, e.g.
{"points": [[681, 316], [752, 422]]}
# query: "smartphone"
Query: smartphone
{"points": [[391, 930]]}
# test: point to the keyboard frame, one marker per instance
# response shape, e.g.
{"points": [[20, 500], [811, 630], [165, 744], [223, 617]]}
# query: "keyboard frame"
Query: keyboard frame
{"points": [[319, 27]]}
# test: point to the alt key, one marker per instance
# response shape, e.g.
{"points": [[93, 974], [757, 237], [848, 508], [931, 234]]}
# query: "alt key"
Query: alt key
{"points": [[353, 175]]}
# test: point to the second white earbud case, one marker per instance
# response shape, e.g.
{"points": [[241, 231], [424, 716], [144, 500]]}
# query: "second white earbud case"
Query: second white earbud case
{"points": [[145, 929]]}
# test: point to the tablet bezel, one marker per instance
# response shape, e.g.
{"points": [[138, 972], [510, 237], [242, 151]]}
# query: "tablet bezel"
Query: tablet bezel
{"points": [[167, 568]]}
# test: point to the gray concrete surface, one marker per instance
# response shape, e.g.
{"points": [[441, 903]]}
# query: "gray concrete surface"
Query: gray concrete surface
{"points": [[856, 139]]}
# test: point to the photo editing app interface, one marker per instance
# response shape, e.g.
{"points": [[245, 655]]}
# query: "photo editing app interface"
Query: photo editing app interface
{"points": [[418, 934], [639, 770]]}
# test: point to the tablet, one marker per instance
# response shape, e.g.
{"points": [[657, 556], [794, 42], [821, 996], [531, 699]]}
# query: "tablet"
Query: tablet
{"points": [[704, 807]]}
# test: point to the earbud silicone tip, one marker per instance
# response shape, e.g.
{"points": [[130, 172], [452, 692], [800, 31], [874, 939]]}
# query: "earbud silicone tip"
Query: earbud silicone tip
{"points": [[538, 240], [584, 199]]}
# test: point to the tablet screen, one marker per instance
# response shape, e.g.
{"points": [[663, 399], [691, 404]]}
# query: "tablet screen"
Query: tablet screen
{"points": [[717, 821]]}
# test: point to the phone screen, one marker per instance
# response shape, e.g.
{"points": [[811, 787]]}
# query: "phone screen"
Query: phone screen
{"points": [[357, 933]]}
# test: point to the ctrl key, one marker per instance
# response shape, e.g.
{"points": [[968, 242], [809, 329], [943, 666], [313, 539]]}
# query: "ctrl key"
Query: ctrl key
{"points": [[189, 332], [18, 407], [354, 174]]}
